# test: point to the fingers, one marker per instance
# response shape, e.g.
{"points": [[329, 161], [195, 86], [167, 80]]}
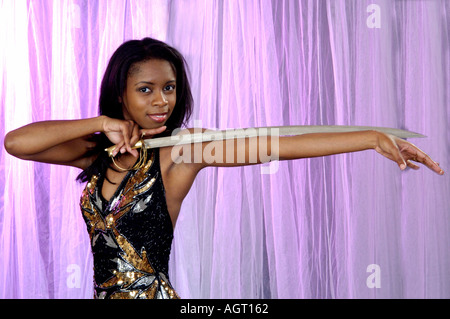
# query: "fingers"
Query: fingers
{"points": [[135, 137], [412, 165], [131, 134], [125, 134], [147, 133], [117, 149], [126, 129], [413, 153], [426, 160], [397, 155], [400, 161], [130, 138]]}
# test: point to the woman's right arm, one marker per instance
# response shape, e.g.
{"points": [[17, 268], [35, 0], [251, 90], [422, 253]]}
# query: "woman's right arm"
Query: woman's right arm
{"points": [[67, 142], [57, 142]]}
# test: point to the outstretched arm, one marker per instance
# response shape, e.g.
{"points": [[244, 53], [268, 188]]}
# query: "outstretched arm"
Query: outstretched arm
{"points": [[263, 149], [393, 148]]}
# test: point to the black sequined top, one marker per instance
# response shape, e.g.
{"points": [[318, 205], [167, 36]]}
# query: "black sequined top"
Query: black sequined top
{"points": [[131, 235]]}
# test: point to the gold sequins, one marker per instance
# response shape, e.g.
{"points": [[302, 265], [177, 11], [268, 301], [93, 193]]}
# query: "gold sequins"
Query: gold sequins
{"points": [[133, 276]]}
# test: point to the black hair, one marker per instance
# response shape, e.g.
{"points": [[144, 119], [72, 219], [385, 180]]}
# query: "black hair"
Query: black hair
{"points": [[114, 84]]}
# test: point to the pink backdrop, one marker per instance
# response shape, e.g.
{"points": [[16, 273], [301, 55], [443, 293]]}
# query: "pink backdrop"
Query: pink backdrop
{"points": [[346, 226]]}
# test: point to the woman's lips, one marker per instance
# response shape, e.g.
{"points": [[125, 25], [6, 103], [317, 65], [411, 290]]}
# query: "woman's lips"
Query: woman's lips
{"points": [[158, 118]]}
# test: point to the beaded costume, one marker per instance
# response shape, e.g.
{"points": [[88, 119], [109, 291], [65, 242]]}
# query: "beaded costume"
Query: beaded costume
{"points": [[131, 235]]}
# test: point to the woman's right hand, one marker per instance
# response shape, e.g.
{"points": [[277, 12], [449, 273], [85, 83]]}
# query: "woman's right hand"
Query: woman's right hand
{"points": [[125, 134]]}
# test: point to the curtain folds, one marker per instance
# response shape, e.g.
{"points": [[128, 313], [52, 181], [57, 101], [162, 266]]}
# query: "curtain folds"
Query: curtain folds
{"points": [[343, 226]]}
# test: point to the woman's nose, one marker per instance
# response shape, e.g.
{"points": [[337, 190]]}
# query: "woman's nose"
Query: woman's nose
{"points": [[160, 99]]}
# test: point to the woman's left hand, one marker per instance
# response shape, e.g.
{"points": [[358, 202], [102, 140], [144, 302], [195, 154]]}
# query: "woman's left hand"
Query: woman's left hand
{"points": [[404, 153]]}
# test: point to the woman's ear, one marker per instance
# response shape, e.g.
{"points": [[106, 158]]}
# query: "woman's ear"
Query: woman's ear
{"points": [[120, 99]]}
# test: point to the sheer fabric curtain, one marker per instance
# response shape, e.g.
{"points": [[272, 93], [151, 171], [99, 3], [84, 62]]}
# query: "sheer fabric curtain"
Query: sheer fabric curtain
{"points": [[344, 226]]}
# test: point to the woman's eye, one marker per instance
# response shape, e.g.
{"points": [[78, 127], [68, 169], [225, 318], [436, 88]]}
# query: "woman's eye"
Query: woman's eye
{"points": [[169, 88], [145, 90]]}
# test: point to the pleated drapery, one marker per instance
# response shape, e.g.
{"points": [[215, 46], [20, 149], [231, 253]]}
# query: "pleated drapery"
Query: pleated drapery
{"points": [[343, 226]]}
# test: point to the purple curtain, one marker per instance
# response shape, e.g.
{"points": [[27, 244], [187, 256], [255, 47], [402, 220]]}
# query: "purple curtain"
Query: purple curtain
{"points": [[344, 226]]}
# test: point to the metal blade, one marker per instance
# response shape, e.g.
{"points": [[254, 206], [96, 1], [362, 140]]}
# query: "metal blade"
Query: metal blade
{"points": [[219, 135]]}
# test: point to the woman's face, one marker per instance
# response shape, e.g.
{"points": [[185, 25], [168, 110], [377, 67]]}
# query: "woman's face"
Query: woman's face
{"points": [[150, 94]]}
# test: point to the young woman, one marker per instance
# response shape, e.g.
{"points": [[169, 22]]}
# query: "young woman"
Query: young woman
{"points": [[132, 199]]}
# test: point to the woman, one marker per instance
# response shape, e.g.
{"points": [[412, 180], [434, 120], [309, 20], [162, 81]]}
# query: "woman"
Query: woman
{"points": [[132, 199]]}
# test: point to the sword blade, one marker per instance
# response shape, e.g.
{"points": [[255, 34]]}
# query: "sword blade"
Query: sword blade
{"points": [[219, 135]]}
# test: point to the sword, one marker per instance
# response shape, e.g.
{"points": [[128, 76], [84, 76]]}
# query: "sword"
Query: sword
{"points": [[220, 135]]}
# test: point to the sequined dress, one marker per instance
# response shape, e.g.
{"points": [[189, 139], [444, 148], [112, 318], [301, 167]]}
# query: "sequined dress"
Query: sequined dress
{"points": [[131, 235]]}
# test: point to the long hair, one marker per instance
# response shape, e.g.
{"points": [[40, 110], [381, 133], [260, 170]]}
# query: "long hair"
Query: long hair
{"points": [[114, 84]]}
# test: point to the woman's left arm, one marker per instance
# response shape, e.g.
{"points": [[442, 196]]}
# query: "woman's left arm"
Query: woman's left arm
{"points": [[256, 150], [322, 144]]}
